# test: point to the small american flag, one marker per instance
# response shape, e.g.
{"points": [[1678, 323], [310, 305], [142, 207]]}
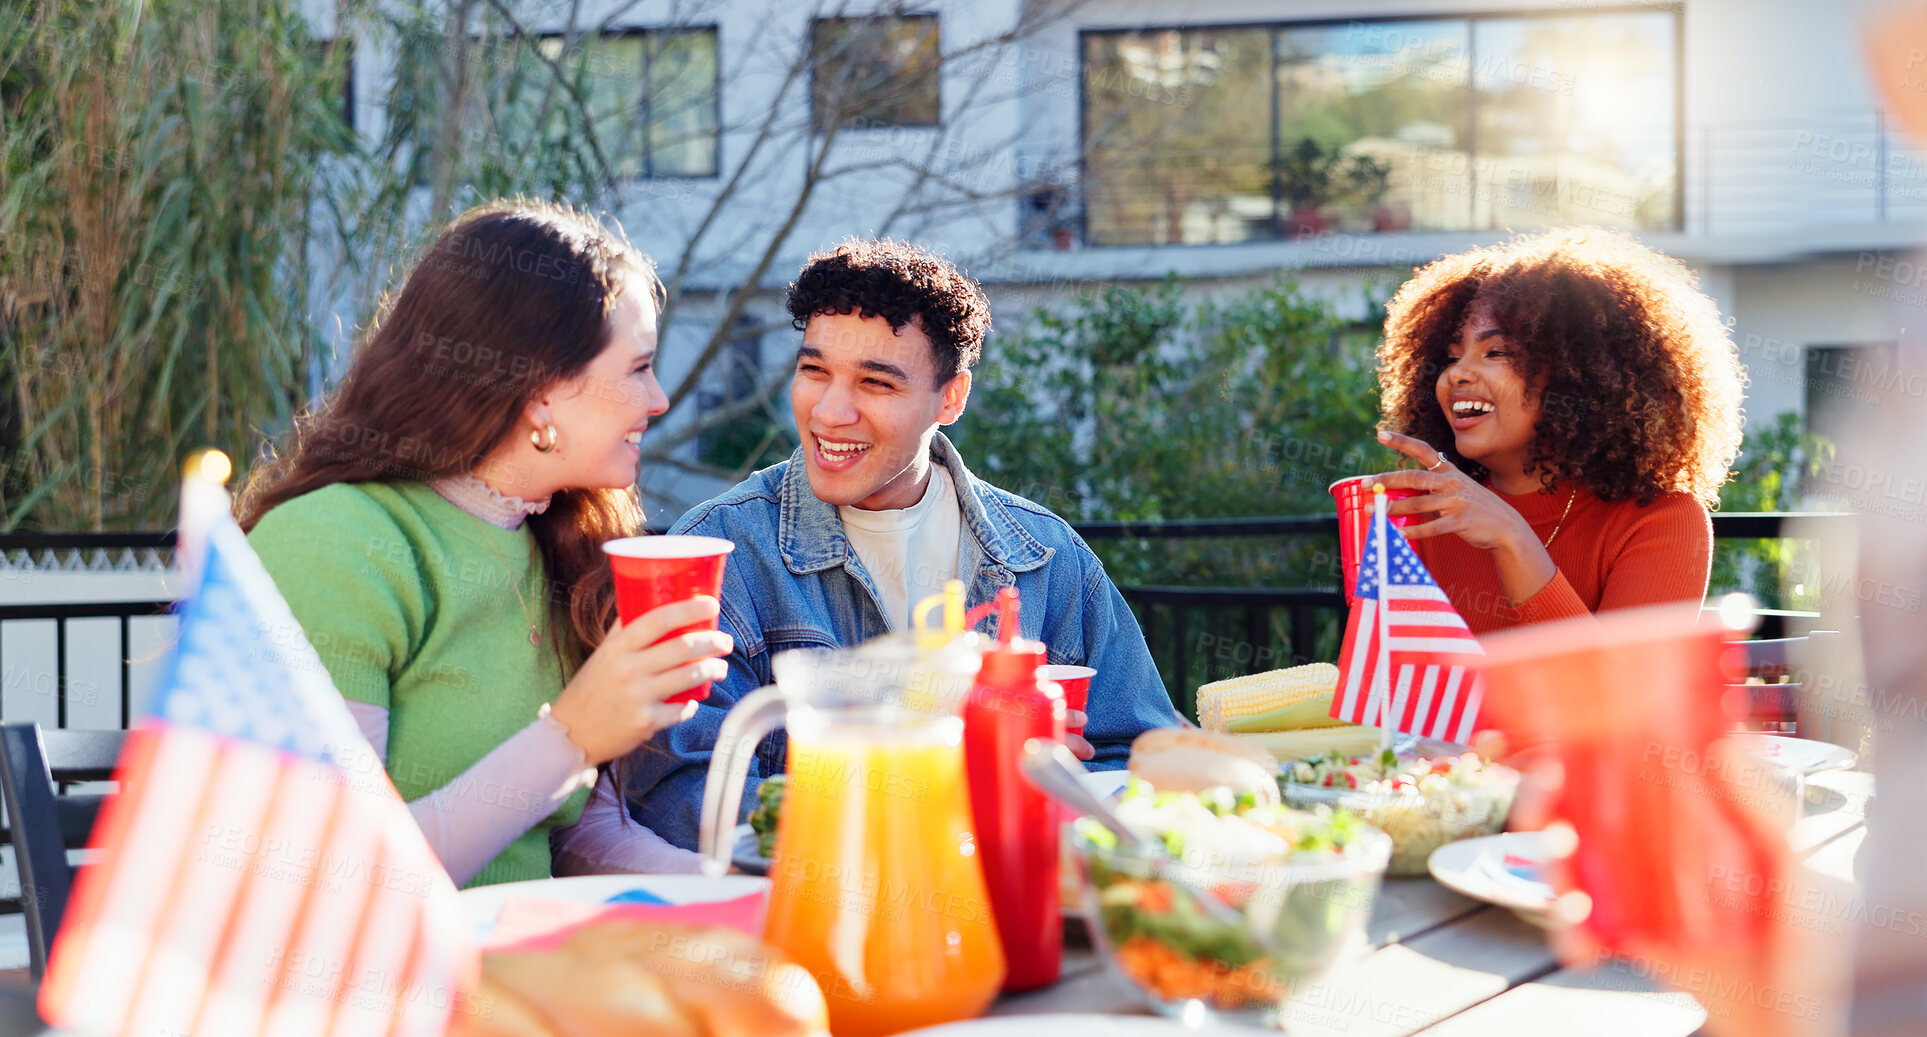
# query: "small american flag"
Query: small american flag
{"points": [[256, 872], [1403, 664]]}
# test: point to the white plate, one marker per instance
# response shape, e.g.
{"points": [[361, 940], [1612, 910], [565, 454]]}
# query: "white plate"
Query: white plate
{"points": [[1105, 784], [1476, 868], [1803, 755], [483, 904], [1059, 1024], [742, 852]]}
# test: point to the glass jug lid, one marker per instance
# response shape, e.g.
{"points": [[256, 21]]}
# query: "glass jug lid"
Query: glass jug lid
{"points": [[887, 675]]}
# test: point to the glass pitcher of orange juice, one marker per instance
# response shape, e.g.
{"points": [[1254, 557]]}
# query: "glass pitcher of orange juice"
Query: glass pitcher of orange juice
{"points": [[877, 886]]}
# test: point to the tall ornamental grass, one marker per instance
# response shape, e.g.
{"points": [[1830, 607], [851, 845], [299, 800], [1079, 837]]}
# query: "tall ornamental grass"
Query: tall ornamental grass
{"points": [[157, 163]]}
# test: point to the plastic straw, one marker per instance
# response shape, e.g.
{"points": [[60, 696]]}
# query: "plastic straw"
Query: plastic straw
{"points": [[1007, 628], [953, 608]]}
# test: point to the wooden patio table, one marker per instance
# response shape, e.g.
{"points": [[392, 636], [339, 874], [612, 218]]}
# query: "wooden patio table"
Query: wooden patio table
{"points": [[1441, 963]]}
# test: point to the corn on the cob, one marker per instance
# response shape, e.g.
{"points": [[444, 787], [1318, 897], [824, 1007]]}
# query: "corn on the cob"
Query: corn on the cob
{"points": [[1276, 700], [1351, 740]]}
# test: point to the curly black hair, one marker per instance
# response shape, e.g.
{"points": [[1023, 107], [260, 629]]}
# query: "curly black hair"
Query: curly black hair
{"points": [[901, 283], [1640, 380]]}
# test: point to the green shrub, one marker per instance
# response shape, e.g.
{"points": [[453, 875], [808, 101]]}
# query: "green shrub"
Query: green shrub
{"points": [[1145, 404]]}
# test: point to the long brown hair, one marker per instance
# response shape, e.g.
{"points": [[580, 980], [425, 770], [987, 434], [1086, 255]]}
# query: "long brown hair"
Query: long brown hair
{"points": [[512, 297]]}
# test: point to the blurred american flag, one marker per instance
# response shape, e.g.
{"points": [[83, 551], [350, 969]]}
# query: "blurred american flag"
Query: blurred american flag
{"points": [[256, 872]]}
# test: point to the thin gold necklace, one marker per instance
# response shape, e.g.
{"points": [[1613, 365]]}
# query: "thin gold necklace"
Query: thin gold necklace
{"points": [[1570, 497], [535, 636]]}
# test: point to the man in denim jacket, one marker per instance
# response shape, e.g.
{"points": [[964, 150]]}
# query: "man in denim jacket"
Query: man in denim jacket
{"points": [[876, 510]]}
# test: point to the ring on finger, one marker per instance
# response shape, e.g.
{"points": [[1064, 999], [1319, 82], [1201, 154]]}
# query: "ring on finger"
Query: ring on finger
{"points": [[1438, 464]]}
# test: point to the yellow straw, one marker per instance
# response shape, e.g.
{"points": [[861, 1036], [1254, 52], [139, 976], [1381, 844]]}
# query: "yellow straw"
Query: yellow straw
{"points": [[951, 600], [953, 607]]}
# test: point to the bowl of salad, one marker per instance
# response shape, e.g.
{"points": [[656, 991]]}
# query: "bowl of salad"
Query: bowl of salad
{"points": [[1293, 889], [1422, 802], [755, 841]]}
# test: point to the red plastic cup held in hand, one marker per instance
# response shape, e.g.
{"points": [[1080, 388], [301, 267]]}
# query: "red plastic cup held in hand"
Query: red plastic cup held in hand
{"points": [[1076, 682], [1354, 497], [652, 571]]}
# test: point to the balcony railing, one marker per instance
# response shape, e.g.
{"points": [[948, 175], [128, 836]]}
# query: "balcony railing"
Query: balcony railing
{"points": [[1779, 176], [1741, 179], [1201, 634]]}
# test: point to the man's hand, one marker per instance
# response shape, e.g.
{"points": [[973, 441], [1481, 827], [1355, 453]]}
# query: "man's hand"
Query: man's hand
{"points": [[1076, 743]]}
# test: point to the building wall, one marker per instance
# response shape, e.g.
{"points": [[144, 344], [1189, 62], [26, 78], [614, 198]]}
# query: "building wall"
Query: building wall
{"points": [[1780, 311], [1779, 217]]}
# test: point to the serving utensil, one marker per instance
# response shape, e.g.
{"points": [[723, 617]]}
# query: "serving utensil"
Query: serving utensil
{"points": [[1057, 774]]}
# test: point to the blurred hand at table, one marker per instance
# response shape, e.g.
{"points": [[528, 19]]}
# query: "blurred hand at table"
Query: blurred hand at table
{"points": [[615, 702], [1076, 743], [1657, 841], [1761, 966]]}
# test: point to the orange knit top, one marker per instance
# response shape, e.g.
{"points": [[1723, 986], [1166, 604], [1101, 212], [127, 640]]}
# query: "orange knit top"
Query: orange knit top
{"points": [[1609, 555]]}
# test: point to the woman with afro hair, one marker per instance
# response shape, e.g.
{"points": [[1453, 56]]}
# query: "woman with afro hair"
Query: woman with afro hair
{"points": [[1573, 402]]}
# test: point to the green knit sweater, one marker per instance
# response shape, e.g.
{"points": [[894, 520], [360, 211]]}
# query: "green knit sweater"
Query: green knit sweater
{"points": [[411, 603]]}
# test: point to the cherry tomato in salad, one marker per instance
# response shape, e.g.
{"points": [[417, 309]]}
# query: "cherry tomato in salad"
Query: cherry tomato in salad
{"points": [[1154, 897]]}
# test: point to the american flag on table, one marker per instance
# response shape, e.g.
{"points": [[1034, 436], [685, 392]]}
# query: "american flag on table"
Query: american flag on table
{"points": [[1404, 661], [257, 872]]}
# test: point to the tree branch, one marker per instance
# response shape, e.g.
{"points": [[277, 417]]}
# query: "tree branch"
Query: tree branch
{"points": [[715, 417], [751, 283]]}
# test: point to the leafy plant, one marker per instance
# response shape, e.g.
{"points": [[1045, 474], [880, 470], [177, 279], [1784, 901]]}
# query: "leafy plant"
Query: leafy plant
{"points": [[1367, 179], [1308, 171], [1152, 404], [157, 163], [1774, 460], [1146, 404]]}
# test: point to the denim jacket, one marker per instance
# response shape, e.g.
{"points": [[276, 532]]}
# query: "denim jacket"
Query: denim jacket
{"points": [[795, 582]]}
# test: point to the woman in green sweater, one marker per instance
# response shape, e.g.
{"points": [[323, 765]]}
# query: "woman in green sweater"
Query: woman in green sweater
{"points": [[435, 523]]}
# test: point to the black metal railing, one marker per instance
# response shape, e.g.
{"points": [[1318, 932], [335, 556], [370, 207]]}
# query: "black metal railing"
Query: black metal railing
{"points": [[1199, 634], [124, 611], [1225, 629]]}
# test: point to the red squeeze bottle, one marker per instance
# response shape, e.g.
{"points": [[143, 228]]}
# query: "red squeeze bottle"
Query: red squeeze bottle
{"points": [[1016, 825]]}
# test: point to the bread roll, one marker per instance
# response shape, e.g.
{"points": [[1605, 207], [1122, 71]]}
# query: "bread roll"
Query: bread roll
{"points": [[731, 982], [577, 994], [497, 1011], [618, 978], [1183, 759]]}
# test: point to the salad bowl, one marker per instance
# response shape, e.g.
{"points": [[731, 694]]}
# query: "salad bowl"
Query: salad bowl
{"points": [[1300, 886]]}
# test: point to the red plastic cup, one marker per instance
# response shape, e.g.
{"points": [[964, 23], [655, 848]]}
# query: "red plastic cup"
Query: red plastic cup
{"points": [[653, 571], [1354, 497], [1076, 682], [1627, 704]]}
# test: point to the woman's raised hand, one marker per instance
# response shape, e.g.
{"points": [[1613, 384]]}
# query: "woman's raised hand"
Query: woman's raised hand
{"points": [[615, 702], [1457, 503], [1461, 506]]}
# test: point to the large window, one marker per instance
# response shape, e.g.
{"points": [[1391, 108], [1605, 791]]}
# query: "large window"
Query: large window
{"points": [[1241, 133], [880, 71], [650, 98]]}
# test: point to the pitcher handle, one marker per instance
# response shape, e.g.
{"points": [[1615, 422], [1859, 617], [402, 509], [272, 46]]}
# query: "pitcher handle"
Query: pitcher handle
{"points": [[752, 718]]}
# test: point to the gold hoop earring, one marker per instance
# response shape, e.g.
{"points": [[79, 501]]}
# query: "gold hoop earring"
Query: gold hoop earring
{"points": [[535, 437]]}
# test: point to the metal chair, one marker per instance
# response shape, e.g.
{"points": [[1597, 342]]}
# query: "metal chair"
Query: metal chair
{"points": [[1770, 677], [44, 824]]}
